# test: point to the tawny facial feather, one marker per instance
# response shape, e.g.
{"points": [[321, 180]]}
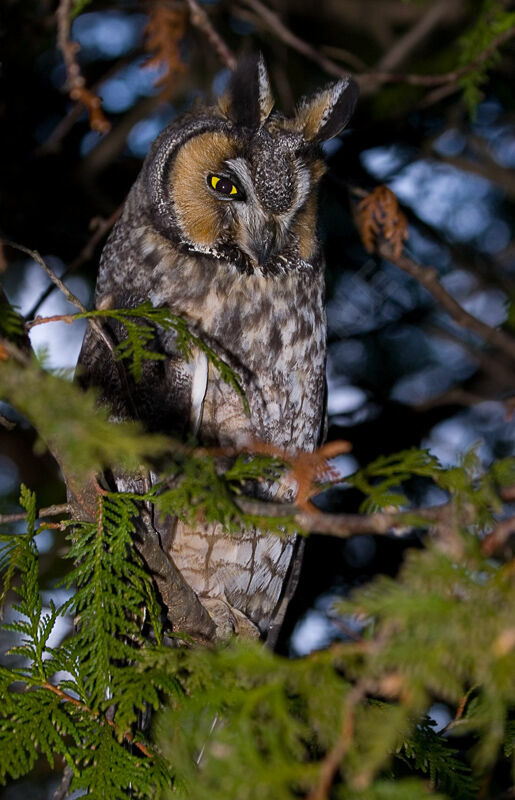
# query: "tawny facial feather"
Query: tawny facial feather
{"points": [[198, 211]]}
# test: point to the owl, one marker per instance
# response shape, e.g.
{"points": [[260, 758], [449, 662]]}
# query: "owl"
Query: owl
{"points": [[220, 227]]}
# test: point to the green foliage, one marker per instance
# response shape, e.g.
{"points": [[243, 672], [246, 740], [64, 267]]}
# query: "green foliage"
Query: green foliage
{"points": [[41, 716], [431, 754], [201, 490], [140, 334], [11, 323], [70, 422], [493, 20], [378, 479]]}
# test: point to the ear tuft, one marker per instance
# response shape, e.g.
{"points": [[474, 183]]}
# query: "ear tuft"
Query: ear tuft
{"points": [[248, 100], [326, 113]]}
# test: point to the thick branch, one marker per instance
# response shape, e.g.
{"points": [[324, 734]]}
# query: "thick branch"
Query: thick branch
{"points": [[345, 525]]}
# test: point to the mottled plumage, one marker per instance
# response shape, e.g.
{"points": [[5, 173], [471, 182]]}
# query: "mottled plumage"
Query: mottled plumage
{"points": [[220, 227]]}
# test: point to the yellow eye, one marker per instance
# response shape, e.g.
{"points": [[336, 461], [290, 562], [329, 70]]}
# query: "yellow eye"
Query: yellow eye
{"points": [[223, 185]]}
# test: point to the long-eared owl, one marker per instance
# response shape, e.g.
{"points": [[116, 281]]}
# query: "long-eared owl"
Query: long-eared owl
{"points": [[220, 227]]}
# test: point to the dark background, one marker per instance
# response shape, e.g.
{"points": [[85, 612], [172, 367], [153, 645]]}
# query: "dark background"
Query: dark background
{"points": [[401, 373]]}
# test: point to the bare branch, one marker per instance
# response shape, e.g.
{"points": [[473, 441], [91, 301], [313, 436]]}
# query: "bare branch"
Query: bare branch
{"points": [[274, 23], [345, 525], [200, 19], [331, 763], [75, 81], [101, 228], [64, 289], [50, 511], [430, 280], [408, 43]]}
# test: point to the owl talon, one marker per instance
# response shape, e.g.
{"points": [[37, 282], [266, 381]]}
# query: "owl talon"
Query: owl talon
{"points": [[229, 621]]}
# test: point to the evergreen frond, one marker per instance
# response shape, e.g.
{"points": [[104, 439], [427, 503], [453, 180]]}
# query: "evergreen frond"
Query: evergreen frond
{"points": [[428, 753], [493, 20], [70, 421], [140, 334]]}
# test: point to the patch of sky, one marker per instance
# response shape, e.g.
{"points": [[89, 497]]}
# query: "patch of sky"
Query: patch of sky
{"points": [[502, 145], [489, 305], [441, 716], [458, 203], [135, 80], [343, 399], [362, 301], [427, 250], [145, 131], [382, 162], [323, 624], [345, 355], [487, 113], [9, 477], [62, 341], [344, 465], [450, 143], [331, 147], [107, 34], [451, 355], [220, 82], [45, 541], [495, 238], [419, 387], [89, 141], [450, 439]]}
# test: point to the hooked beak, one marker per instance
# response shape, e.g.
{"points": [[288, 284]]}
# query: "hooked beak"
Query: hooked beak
{"points": [[265, 244]]}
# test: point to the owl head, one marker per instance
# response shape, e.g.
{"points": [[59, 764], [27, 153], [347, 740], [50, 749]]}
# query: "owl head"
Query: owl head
{"points": [[239, 182]]}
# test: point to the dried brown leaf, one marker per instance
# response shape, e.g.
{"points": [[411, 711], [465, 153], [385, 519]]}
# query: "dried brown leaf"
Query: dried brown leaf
{"points": [[165, 30], [379, 215]]}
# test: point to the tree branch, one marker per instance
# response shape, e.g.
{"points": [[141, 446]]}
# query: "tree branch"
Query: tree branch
{"points": [[200, 19], [75, 81], [428, 277]]}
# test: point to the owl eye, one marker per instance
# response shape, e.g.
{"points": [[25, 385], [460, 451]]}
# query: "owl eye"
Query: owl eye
{"points": [[224, 186]]}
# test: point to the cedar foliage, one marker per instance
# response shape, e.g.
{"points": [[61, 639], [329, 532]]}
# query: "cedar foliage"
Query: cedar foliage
{"points": [[260, 725], [238, 721]]}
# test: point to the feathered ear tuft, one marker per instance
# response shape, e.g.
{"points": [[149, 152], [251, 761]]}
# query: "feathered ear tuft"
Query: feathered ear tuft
{"points": [[248, 100], [326, 113]]}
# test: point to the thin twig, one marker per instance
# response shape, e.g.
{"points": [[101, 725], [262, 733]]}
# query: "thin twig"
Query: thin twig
{"points": [[429, 278], [61, 793], [370, 80], [75, 81], [274, 23], [200, 19], [332, 761], [50, 511], [67, 698], [103, 227], [65, 291], [68, 318]]}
